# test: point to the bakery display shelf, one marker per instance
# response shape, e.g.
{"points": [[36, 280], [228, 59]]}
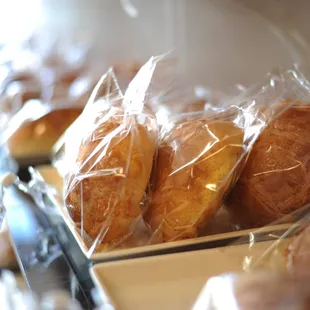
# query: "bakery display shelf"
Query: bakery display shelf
{"points": [[171, 282], [51, 177]]}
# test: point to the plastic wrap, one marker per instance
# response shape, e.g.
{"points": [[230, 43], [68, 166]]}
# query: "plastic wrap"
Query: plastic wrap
{"points": [[33, 130], [274, 181], [272, 190], [185, 99], [110, 151], [45, 83], [282, 246], [201, 156], [263, 290], [41, 94]]}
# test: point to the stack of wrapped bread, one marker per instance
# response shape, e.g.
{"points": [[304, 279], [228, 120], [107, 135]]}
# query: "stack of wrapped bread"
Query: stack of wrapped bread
{"points": [[174, 179]]}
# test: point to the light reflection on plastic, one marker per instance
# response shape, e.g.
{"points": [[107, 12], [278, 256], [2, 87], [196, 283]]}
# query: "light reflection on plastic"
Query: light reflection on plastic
{"points": [[211, 187], [217, 294], [19, 19], [251, 239], [246, 262], [129, 8]]}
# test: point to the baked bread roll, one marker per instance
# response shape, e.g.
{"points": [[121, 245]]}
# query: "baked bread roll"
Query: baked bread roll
{"points": [[114, 165], [35, 139], [276, 178], [194, 170]]}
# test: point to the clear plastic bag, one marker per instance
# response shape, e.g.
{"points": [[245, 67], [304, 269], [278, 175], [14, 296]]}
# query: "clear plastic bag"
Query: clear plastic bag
{"points": [[201, 155], [34, 129], [263, 290], [274, 181], [109, 154], [184, 99], [42, 94], [58, 74], [282, 246], [189, 186]]}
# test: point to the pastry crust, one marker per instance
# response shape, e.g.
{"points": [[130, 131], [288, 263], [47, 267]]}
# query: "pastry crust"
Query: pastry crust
{"points": [[276, 178], [195, 168], [114, 167]]}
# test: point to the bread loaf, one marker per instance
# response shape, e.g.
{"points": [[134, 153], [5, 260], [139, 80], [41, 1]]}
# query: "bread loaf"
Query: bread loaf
{"points": [[35, 139], [195, 168], [114, 166], [276, 178]]}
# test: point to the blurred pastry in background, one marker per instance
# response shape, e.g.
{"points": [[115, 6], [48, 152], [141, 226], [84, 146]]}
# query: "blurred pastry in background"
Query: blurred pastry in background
{"points": [[195, 166], [125, 71], [35, 139], [24, 76], [17, 94], [196, 106], [275, 179]]}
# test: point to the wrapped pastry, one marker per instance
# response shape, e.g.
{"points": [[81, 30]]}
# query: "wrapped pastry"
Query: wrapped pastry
{"points": [[36, 138], [111, 161], [261, 290], [125, 72], [32, 131], [275, 179], [195, 168], [120, 192], [200, 159]]}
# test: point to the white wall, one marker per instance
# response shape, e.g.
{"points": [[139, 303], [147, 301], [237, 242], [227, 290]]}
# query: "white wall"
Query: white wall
{"points": [[219, 42]]}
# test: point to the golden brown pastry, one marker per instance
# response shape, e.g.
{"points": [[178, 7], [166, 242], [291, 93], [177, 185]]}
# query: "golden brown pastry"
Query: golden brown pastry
{"points": [[195, 167], [36, 138], [115, 174], [276, 178]]}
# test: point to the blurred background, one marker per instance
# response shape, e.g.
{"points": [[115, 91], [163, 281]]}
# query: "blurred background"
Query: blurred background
{"points": [[218, 43]]}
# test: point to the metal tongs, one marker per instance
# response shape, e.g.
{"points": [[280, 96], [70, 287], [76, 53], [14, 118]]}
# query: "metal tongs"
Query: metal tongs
{"points": [[49, 257]]}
